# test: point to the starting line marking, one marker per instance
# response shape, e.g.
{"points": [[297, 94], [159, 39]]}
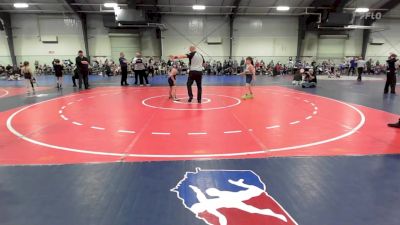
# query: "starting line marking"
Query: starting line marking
{"points": [[160, 133], [233, 131], [98, 128], [127, 131], [197, 133]]}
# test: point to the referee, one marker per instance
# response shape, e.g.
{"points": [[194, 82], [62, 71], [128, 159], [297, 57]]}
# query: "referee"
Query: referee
{"points": [[391, 80], [83, 67], [124, 69], [196, 61]]}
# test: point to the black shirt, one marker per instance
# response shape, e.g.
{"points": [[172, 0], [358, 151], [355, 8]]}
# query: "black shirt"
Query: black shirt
{"points": [[82, 67], [122, 62], [392, 64], [58, 70]]}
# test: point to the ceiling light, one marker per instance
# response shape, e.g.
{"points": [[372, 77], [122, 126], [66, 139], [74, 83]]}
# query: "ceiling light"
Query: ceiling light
{"points": [[21, 5], [199, 7], [362, 10], [110, 5], [283, 8]]}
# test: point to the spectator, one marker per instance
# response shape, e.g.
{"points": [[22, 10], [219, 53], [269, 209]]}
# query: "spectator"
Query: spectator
{"points": [[360, 68]]}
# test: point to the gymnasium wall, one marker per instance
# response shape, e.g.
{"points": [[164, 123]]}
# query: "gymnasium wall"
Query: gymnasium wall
{"points": [[150, 44], [29, 29], [390, 34], [98, 38], [184, 31], [333, 49], [4, 51], [264, 38]]}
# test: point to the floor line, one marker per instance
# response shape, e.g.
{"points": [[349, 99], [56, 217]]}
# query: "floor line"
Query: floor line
{"points": [[98, 128], [64, 117], [160, 133], [197, 133], [127, 131], [273, 127], [232, 132]]}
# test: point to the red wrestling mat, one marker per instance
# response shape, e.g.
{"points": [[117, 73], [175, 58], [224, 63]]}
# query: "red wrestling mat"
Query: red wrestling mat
{"points": [[141, 124]]}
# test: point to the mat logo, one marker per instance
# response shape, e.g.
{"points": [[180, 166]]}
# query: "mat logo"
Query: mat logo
{"points": [[230, 197]]}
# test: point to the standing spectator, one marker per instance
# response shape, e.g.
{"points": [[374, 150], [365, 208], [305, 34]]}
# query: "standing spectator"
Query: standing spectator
{"points": [[391, 81], [242, 62], [352, 66], [150, 69], [342, 67], [124, 69], [58, 70], [391, 75], [75, 76], [360, 68], [140, 69], [369, 66], [83, 67]]}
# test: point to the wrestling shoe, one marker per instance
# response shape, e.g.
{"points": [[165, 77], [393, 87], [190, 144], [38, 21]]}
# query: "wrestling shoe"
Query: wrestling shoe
{"points": [[395, 125], [250, 96]]}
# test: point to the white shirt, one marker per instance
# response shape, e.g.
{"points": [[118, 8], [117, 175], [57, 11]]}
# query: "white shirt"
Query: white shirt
{"points": [[196, 61], [361, 63]]}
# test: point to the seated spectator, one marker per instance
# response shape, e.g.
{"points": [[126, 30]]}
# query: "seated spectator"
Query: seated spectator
{"points": [[298, 77], [309, 80]]}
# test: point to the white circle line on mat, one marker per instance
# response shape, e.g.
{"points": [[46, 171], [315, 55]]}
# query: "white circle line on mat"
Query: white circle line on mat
{"points": [[349, 133]]}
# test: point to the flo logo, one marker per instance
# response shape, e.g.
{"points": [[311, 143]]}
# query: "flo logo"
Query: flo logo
{"points": [[230, 197], [371, 15]]}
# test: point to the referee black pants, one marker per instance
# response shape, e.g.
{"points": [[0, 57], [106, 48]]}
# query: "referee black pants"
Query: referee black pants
{"points": [[195, 76], [84, 78], [391, 82], [360, 70], [140, 77], [124, 77]]}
